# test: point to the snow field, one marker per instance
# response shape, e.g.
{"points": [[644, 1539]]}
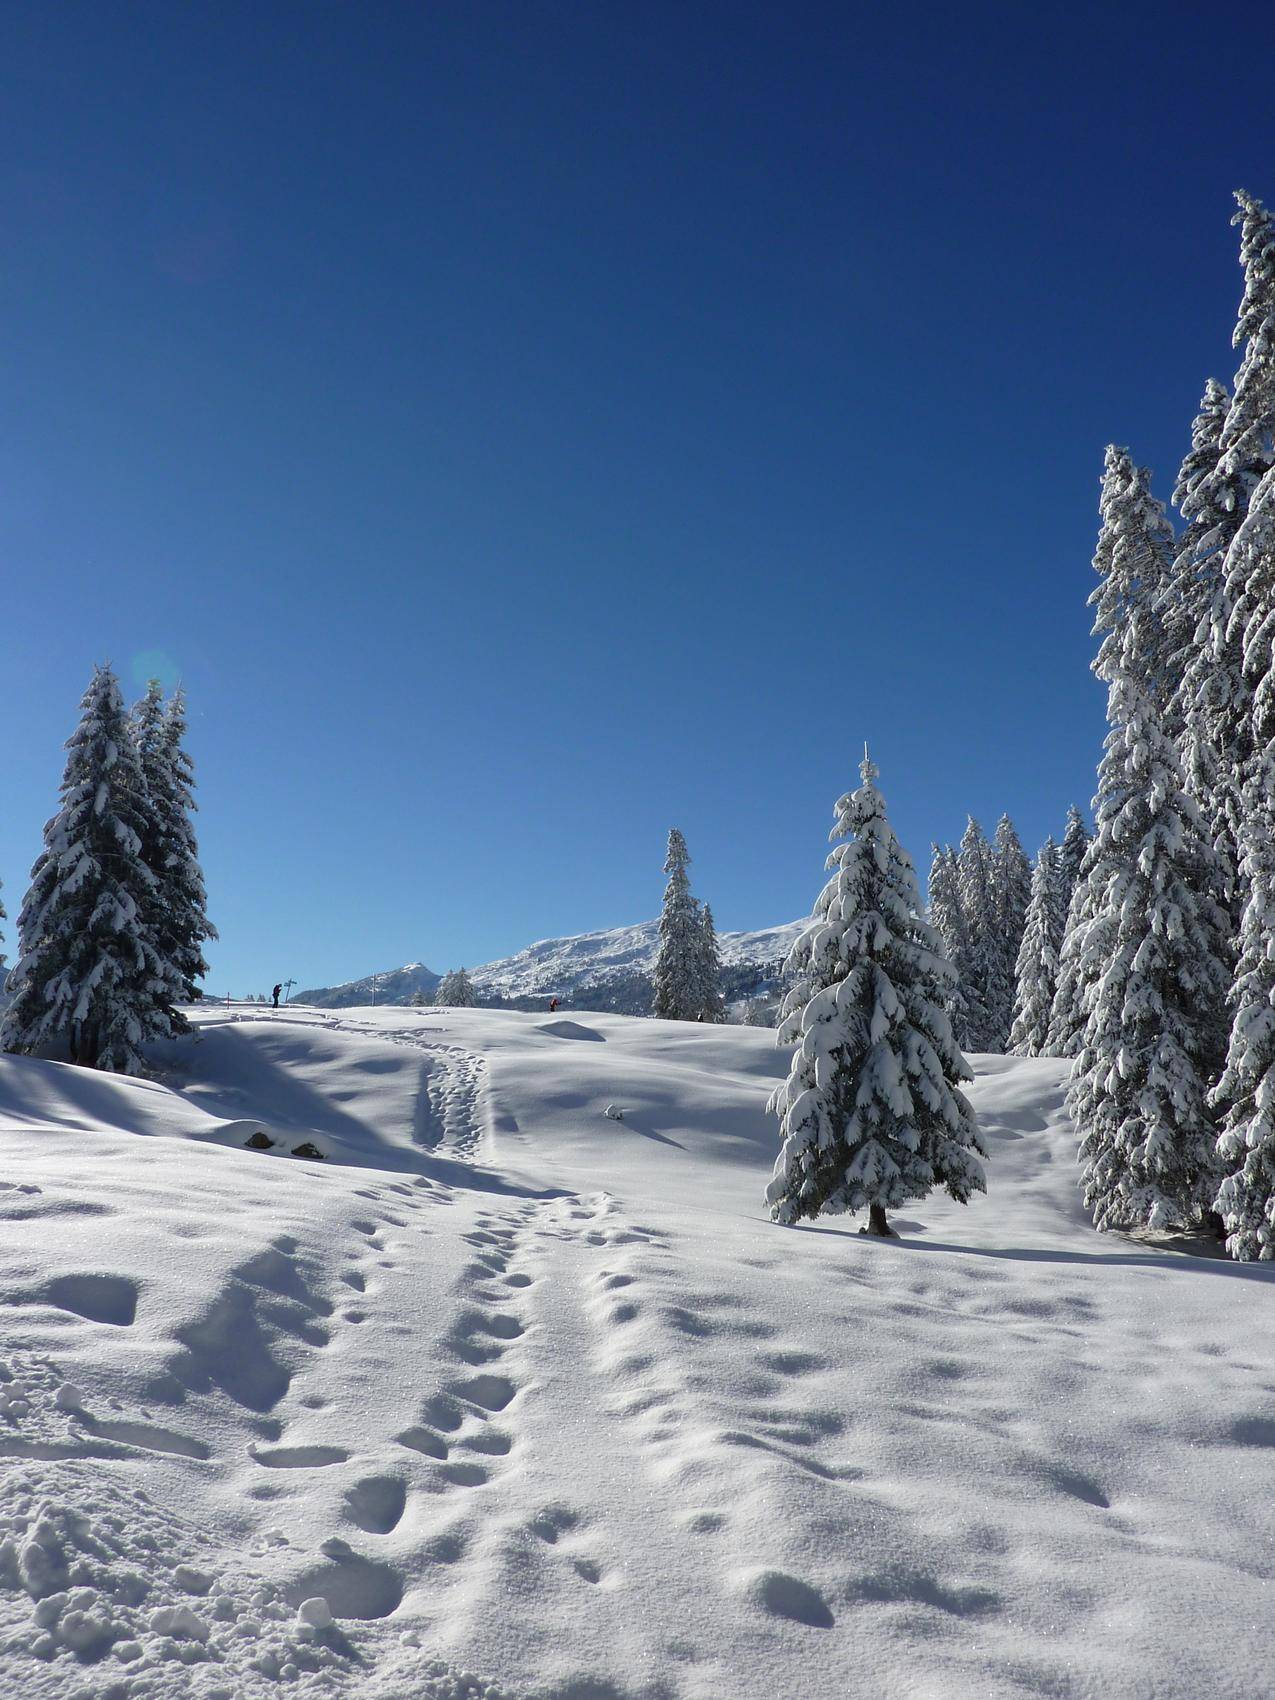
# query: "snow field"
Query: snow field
{"points": [[524, 1391]]}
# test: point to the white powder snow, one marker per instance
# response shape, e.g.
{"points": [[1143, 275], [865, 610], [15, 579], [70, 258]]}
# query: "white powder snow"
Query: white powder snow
{"points": [[510, 1387]]}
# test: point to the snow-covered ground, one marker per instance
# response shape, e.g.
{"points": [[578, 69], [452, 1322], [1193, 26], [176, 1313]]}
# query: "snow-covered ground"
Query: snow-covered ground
{"points": [[531, 1393]]}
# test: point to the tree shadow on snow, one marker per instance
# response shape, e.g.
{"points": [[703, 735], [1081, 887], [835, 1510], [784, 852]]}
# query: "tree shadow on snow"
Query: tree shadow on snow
{"points": [[649, 1132], [1040, 1254]]}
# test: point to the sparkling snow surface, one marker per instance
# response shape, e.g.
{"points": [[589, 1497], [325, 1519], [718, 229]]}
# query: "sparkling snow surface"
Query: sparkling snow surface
{"points": [[535, 1402]]}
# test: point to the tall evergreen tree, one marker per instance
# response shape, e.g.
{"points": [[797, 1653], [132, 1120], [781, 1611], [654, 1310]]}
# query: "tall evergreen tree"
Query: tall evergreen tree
{"points": [[1036, 969], [1216, 681], [90, 974], [1200, 462], [1136, 527], [985, 976], [1246, 1090], [1071, 856], [1156, 967], [1191, 587], [678, 971], [1078, 963], [1247, 443], [871, 1114], [169, 848], [711, 1002], [1011, 891], [947, 918], [1130, 596]]}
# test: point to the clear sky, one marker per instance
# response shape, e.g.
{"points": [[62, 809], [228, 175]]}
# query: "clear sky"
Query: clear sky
{"points": [[526, 426]]}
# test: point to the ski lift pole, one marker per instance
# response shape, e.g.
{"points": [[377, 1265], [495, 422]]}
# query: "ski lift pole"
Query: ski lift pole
{"points": [[287, 989]]}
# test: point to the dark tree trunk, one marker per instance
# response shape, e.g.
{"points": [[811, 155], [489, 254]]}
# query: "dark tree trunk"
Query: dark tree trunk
{"points": [[877, 1223]]}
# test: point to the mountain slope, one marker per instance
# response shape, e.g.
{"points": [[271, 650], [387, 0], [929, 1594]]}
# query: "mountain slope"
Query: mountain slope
{"points": [[613, 964], [512, 1384]]}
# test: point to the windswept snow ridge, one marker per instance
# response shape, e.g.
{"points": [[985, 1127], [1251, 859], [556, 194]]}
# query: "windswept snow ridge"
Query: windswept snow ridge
{"points": [[500, 1384]]}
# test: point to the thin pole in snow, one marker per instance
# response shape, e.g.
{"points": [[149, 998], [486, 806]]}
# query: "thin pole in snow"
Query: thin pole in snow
{"points": [[287, 989]]}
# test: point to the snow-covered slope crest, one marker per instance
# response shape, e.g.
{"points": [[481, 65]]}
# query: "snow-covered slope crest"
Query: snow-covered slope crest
{"points": [[558, 967], [514, 1388]]}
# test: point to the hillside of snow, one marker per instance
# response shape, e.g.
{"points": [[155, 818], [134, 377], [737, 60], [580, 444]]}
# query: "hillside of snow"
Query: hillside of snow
{"points": [[503, 1396], [564, 968]]}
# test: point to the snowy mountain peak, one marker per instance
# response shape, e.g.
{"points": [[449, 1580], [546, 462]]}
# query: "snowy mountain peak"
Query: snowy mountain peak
{"points": [[560, 967]]}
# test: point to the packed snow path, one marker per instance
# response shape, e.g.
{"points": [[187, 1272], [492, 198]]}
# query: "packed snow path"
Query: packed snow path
{"points": [[516, 1389]]}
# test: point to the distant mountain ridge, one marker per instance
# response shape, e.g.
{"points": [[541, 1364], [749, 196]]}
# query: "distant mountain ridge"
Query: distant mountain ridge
{"points": [[609, 969]]}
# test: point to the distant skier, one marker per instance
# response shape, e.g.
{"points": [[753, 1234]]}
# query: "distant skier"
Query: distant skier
{"points": [[275, 993], [553, 1004]]}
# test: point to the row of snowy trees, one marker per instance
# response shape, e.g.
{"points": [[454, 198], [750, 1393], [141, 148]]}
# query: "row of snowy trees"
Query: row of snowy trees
{"points": [[112, 930], [1055, 877], [455, 990], [978, 903], [1160, 980], [688, 966], [1165, 980]]}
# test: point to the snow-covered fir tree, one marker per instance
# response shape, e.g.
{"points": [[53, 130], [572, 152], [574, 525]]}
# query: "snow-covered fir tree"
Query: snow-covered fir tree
{"points": [[1186, 601], [1068, 1015], [179, 905], [456, 990], [1012, 877], [1246, 1090], [712, 1006], [1036, 970], [1206, 701], [871, 1114], [947, 917], [1135, 524], [1214, 504], [985, 972], [1130, 594], [1071, 856], [90, 976], [1154, 963], [678, 975], [1247, 443], [1245, 1094]]}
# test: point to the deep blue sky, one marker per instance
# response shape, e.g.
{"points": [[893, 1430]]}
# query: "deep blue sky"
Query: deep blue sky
{"points": [[524, 426]]}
